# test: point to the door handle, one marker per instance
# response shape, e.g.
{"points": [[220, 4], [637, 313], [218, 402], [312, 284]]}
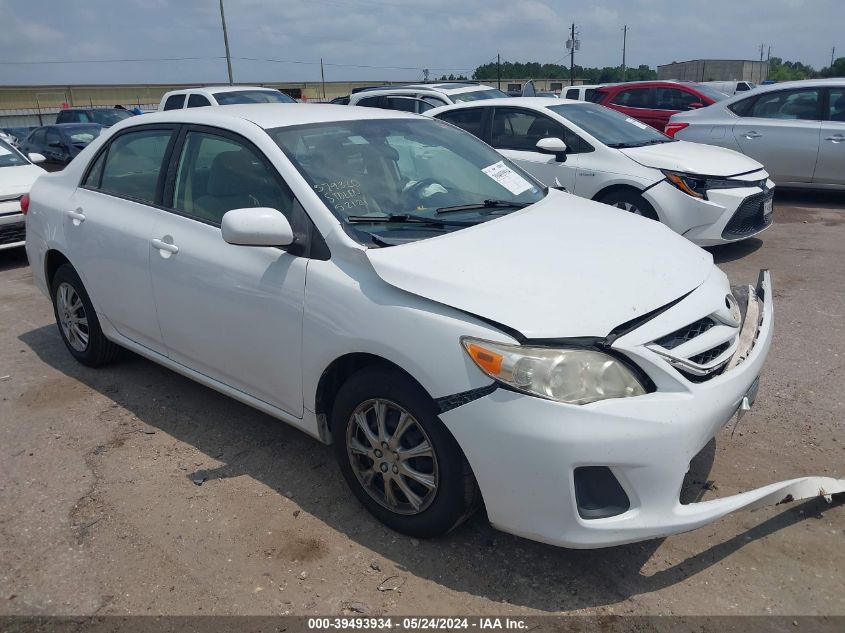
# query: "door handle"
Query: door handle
{"points": [[836, 138], [77, 216], [752, 134], [164, 246]]}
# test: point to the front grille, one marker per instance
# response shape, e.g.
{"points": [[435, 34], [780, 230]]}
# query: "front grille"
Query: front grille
{"points": [[12, 233], [711, 354], [749, 217], [671, 341]]}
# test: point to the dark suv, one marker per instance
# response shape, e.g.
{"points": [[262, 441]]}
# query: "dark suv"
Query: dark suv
{"points": [[653, 102], [104, 116]]}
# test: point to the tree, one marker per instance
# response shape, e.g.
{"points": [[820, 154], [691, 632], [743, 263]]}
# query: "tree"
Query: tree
{"points": [[535, 70]]}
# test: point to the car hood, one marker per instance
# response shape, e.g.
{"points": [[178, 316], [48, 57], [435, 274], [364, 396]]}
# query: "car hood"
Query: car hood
{"points": [[693, 158], [14, 180], [563, 267]]}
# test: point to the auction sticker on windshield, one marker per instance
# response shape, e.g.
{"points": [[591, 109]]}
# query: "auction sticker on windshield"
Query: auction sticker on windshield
{"points": [[508, 178]]}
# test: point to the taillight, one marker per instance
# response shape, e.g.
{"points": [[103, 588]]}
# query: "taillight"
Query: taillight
{"points": [[673, 128], [25, 203]]}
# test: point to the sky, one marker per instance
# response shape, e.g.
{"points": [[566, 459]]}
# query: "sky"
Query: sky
{"points": [[172, 41]]}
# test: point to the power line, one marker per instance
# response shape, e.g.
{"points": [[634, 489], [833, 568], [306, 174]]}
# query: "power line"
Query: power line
{"points": [[108, 61]]}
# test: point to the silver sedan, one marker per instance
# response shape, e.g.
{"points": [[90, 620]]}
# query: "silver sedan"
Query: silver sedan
{"points": [[796, 129]]}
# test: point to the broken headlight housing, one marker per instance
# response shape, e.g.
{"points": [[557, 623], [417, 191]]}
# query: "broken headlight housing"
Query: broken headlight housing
{"points": [[574, 376], [697, 186]]}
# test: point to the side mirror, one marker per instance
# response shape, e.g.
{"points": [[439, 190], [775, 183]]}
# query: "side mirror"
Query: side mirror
{"points": [[35, 157], [256, 226], [553, 146], [695, 106]]}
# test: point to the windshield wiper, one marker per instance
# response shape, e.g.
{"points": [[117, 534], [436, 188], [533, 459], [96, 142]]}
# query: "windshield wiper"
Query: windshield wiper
{"points": [[487, 204], [403, 218], [641, 144]]}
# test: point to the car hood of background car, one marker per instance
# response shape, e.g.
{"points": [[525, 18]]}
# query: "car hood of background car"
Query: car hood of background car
{"points": [[563, 267], [693, 158], [18, 178]]}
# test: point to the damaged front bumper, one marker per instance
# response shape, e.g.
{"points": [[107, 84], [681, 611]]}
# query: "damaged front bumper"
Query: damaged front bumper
{"points": [[611, 472]]}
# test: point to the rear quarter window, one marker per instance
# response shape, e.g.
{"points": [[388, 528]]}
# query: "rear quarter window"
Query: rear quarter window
{"points": [[174, 102]]}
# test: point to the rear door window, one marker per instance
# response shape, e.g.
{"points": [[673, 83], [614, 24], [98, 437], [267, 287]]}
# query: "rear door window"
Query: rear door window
{"points": [[633, 98], [572, 93], [803, 104], [174, 102], [133, 164], [369, 102], [469, 119]]}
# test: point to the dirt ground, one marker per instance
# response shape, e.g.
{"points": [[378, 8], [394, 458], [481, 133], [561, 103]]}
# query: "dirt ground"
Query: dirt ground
{"points": [[100, 511]]}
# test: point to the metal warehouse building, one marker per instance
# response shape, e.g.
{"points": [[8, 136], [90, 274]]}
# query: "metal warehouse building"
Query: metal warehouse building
{"points": [[715, 70]]}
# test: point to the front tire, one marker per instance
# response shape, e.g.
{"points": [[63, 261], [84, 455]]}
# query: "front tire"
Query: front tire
{"points": [[630, 201], [78, 324], [398, 458]]}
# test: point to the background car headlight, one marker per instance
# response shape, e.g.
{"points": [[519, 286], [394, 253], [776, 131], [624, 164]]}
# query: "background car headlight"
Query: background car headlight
{"points": [[697, 186], [575, 376]]}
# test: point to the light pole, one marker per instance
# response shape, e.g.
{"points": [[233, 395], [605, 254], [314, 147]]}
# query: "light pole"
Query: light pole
{"points": [[226, 42], [624, 43]]}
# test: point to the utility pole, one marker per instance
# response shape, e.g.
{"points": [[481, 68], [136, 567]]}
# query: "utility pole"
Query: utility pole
{"points": [[760, 78], [226, 42], [572, 44], [499, 71], [323, 78], [624, 42], [768, 59], [832, 53]]}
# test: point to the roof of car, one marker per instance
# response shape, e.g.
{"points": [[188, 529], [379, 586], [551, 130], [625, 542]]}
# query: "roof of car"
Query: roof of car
{"points": [[217, 89], [531, 102], [268, 115]]}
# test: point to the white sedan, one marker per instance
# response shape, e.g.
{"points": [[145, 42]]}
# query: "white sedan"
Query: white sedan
{"points": [[17, 173], [710, 195], [390, 284]]}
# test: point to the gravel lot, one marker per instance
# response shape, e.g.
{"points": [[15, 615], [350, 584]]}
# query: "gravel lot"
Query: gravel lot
{"points": [[100, 512]]}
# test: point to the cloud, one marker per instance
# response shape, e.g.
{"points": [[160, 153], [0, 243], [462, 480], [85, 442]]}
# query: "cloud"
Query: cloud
{"points": [[442, 35]]}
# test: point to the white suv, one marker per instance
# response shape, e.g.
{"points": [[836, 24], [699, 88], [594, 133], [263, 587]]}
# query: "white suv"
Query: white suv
{"points": [[221, 95], [401, 97]]}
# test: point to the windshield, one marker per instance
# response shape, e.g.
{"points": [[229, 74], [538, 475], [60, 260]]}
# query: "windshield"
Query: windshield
{"points": [[373, 173], [609, 126], [109, 117], [252, 96], [83, 134], [9, 157], [477, 95], [710, 91]]}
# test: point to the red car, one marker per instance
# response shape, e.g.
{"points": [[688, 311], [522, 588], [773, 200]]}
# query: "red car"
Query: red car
{"points": [[653, 102]]}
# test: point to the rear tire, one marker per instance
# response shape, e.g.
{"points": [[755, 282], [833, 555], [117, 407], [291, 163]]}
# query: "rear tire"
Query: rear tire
{"points": [[77, 321], [632, 202], [380, 418]]}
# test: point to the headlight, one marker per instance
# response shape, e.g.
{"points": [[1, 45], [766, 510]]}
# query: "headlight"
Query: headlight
{"points": [[697, 186], [575, 376]]}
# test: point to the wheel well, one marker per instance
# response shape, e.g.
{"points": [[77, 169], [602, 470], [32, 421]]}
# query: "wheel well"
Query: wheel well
{"points": [[336, 374], [52, 261], [614, 189]]}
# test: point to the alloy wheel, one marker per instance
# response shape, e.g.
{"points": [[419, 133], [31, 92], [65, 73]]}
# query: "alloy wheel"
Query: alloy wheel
{"points": [[72, 317], [392, 456]]}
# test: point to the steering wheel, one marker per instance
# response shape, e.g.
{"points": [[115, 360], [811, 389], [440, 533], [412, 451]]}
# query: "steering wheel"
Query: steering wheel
{"points": [[416, 189]]}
